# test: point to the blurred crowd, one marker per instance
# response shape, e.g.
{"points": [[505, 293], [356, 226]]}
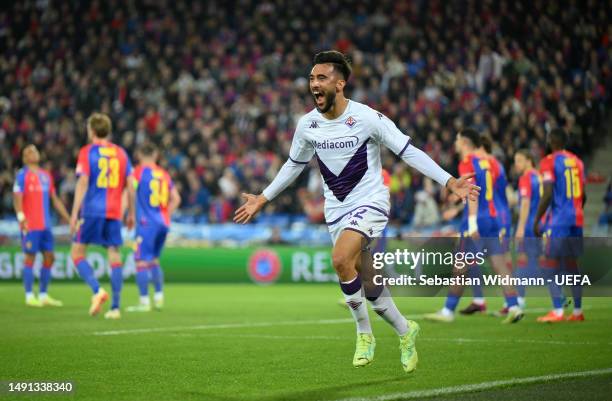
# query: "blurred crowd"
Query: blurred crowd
{"points": [[219, 85]]}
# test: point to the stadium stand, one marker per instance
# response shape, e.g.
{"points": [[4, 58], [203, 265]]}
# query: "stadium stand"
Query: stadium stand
{"points": [[220, 85]]}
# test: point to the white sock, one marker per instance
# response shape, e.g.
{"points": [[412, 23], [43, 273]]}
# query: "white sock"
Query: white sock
{"points": [[577, 311], [158, 296], [29, 295], [357, 305], [478, 301], [558, 311], [42, 296], [386, 308], [144, 300], [447, 312]]}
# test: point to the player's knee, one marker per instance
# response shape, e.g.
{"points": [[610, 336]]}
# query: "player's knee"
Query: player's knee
{"points": [[341, 260], [77, 252], [48, 260]]}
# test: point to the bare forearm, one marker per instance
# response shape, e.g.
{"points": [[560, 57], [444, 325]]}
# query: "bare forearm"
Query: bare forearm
{"points": [[523, 214], [544, 202], [60, 208], [79, 195], [18, 203], [175, 201]]}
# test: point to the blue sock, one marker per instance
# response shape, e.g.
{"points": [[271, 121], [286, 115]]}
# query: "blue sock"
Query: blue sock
{"points": [[452, 301], [142, 280], [556, 293], [87, 274], [157, 276], [116, 284], [511, 300], [45, 278], [571, 268], [28, 277], [475, 272]]}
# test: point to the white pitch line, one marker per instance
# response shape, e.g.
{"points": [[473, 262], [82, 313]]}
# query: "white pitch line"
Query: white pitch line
{"points": [[467, 388], [221, 326], [459, 340], [238, 325]]}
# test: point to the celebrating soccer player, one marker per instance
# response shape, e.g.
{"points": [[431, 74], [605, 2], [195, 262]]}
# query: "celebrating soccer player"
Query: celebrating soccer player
{"points": [[563, 176], [156, 199], [33, 190], [103, 169], [481, 227], [345, 137]]}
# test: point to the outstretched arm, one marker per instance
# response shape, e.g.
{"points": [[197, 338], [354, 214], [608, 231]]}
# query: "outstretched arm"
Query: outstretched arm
{"points": [[299, 155], [461, 187], [254, 203], [389, 135]]}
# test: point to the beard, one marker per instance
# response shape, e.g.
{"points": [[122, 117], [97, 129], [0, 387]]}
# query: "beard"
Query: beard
{"points": [[330, 100]]}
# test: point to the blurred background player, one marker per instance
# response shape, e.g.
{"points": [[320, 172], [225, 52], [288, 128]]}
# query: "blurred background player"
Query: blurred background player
{"points": [[480, 226], [500, 200], [156, 199], [103, 170], [356, 200], [563, 176], [32, 191]]}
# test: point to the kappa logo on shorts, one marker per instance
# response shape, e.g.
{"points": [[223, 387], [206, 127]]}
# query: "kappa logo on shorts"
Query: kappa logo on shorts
{"points": [[350, 122]]}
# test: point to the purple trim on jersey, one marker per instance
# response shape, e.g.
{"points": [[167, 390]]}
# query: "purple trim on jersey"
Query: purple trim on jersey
{"points": [[360, 232], [405, 147], [352, 210], [296, 161], [341, 185]]}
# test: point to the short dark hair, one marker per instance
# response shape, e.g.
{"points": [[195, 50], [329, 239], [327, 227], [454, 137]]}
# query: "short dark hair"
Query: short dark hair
{"points": [[148, 149], [527, 155], [558, 138], [487, 143], [335, 58], [472, 135]]}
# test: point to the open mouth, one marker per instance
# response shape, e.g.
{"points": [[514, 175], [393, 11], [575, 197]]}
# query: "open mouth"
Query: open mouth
{"points": [[319, 97]]}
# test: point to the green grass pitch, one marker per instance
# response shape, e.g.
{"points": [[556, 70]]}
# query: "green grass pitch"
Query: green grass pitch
{"points": [[293, 342]]}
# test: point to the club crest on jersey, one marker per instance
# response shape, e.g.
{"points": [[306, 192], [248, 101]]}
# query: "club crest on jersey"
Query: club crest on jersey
{"points": [[350, 122], [314, 124]]}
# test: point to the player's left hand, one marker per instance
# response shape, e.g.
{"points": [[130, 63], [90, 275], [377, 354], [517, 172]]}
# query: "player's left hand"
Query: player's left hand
{"points": [[463, 187]]}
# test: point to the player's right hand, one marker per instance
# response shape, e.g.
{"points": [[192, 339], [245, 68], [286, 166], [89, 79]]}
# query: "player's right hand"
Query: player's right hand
{"points": [[74, 223], [536, 229], [252, 206], [130, 221], [23, 226]]}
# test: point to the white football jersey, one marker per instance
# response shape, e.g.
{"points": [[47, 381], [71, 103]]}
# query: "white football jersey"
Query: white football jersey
{"points": [[347, 150]]}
